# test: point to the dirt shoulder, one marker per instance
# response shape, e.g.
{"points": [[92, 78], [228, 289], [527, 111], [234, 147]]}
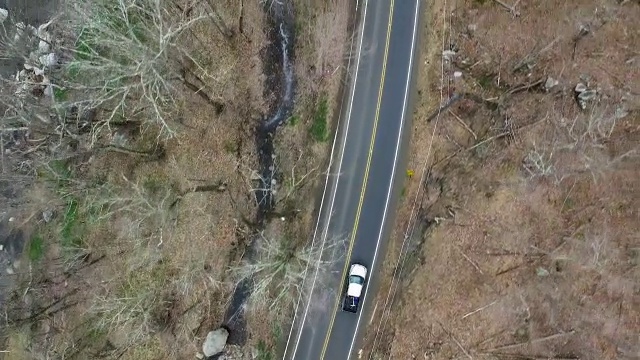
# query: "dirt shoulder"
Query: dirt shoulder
{"points": [[522, 241]]}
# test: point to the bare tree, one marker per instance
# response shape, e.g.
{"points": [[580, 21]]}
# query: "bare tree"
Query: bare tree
{"points": [[129, 57], [133, 305], [279, 269], [266, 186]]}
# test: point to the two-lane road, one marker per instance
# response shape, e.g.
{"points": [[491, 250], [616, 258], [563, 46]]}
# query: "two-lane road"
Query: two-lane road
{"points": [[365, 174]]}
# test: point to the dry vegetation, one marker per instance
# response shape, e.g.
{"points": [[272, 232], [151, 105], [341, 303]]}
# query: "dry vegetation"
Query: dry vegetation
{"points": [[525, 241], [136, 169]]}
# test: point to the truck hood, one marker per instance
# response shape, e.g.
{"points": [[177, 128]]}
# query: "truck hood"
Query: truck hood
{"points": [[354, 290]]}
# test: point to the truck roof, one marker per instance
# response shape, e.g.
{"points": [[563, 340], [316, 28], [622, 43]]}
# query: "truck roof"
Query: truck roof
{"points": [[354, 290], [358, 270]]}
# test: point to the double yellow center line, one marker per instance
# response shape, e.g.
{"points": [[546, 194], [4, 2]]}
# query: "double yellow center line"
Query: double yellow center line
{"points": [[364, 184]]}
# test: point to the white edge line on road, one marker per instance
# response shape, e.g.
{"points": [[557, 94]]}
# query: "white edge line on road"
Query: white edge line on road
{"points": [[330, 210], [395, 163]]}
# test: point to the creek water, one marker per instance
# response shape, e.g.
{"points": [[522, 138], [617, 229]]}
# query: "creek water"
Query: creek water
{"points": [[278, 60]]}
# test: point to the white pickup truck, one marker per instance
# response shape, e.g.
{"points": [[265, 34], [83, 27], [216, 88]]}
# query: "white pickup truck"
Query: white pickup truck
{"points": [[355, 285]]}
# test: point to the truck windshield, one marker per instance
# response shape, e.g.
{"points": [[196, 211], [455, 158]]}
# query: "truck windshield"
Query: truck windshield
{"points": [[354, 279]]}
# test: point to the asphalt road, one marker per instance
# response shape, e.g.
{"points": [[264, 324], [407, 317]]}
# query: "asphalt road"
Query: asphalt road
{"points": [[364, 180]]}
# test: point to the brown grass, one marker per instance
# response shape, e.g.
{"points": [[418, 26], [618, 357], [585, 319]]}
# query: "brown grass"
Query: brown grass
{"points": [[518, 262], [162, 280]]}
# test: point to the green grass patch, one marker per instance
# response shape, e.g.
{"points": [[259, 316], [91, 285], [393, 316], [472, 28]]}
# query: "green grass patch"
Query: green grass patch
{"points": [[70, 232], [319, 128], [36, 248], [485, 81], [149, 279], [84, 50], [156, 188], [293, 120], [109, 20], [569, 204], [58, 174], [153, 184], [482, 151], [230, 146], [264, 351], [146, 350], [58, 170], [96, 334], [60, 94], [276, 331]]}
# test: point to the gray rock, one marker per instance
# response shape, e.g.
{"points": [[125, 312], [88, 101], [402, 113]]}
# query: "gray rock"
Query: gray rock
{"points": [[587, 95], [580, 88], [542, 272], [48, 91], [471, 28], [48, 60], [4, 14], [215, 342], [448, 54], [620, 113], [47, 215], [550, 83], [199, 356], [584, 95], [43, 46]]}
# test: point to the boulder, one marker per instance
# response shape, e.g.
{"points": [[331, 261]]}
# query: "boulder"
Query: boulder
{"points": [[47, 215], [48, 60], [215, 342], [550, 83], [4, 14]]}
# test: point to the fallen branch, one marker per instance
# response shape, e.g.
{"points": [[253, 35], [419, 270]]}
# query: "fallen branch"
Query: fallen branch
{"points": [[531, 57], [157, 152], [470, 261], [525, 87], [495, 137], [455, 340], [296, 182], [533, 357], [512, 8], [534, 341], [219, 187], [464, 124], [490, 104], [444, 107], [477, 310]]}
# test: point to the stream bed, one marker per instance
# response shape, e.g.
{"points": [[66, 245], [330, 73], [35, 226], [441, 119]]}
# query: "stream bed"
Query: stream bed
{"points": [[278, 61]]}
